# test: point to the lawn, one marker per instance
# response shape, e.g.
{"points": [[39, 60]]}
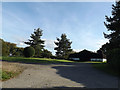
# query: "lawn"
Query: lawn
{"points": [[34, 60], [7, 74], [105, 68], [10, 70]]}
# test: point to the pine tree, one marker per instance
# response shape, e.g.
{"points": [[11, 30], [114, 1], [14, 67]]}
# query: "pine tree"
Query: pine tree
{"points": [[36, 42], [113, 25], [63, 47], [113, 47]]}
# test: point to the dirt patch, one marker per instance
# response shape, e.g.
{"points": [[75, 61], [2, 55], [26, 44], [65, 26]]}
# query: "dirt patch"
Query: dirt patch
{"points": [[14, 67], [10, 70]]}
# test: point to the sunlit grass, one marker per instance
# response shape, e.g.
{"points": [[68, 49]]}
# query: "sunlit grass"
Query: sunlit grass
{"points": [[34, 60]]}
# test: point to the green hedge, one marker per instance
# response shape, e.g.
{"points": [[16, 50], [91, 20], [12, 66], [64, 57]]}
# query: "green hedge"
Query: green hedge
{"points": [[113, 58], [29, 51]]}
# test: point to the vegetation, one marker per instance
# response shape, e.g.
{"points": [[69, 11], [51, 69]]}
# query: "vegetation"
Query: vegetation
{"points": [[106, 68], [63, 47], [111, 49], [5, 49], [113, 57], [7, 75], [36, 42], [34, 60], [29, 52], [10, 49], [9, 70], [46, 54]]}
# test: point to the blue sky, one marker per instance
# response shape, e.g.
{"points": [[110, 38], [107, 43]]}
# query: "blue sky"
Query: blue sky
{"points": [[82, 22]]}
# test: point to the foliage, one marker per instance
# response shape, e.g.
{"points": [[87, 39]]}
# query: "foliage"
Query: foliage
{"points": [[113, 25], [12, 48], [36, 42], [29, 51], [106, 68], [63, 47], [6, 75], [5, 48], [113, 57], [46, 53], [19, 51]]}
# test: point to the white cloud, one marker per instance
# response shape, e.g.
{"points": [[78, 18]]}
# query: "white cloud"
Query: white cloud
{"points": [[49, 44], [77, 50], [102, 42], [19, 40]]}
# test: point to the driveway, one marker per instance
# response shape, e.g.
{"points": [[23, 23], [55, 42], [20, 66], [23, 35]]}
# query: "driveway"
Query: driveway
{"points": [[61, 75]]}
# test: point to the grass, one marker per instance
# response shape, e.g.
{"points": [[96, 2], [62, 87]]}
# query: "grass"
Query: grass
{"points": [[9, 70], [105, 68], [34, 60], [5, 75]]}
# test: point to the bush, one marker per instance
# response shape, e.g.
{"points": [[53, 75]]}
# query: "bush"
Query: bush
{"points": [[113, 58], [29, 52], [46, 54]]}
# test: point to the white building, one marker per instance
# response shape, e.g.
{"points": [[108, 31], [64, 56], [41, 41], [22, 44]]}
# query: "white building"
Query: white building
{"points": [[98, 59], [74, 59]]}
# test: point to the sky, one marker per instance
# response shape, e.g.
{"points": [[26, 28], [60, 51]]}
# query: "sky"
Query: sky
{"points": [[82, 22]]}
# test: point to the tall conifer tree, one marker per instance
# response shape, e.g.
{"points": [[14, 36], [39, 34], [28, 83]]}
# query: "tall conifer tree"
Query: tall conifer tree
{"points": [[113, 25], [36, 42], [63, 47]]}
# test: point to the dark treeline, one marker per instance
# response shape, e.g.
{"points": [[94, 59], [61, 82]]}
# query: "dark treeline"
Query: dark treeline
{"points": [[112, 48]]}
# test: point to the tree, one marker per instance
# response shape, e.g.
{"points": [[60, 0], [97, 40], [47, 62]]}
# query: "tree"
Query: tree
{"points": [[63, 47], [5, 48], [36, 42], [46, 53], [12, 48], [113, 25]]}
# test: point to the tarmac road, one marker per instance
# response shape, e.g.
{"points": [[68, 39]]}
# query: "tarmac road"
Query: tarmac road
{"points": [[61, 75]]}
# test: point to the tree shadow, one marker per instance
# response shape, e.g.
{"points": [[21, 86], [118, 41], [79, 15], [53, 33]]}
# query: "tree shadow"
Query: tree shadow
{"points": [[85, 74]]}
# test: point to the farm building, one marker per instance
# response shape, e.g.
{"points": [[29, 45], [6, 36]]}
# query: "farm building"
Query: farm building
{"points": [[86, 55]]}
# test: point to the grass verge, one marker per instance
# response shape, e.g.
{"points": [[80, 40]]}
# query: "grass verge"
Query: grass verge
{"points": [[33, 60], [5, 75], [105, 68], [9, 70]]}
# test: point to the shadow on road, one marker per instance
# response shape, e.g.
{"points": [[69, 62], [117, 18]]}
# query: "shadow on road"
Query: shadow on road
{"points": [[83, 73]]}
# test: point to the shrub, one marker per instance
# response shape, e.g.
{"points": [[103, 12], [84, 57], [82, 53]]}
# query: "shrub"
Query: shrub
{"points": [[29, 51], [113, 58]]}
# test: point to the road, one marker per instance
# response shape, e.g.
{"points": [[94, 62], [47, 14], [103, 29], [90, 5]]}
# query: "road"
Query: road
{"points": [[61, 75]]}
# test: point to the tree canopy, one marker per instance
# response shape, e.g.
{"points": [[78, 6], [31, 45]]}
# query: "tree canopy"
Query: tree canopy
{"points": [[113, 26], [63, 47], [112, 49], [36, 42]]}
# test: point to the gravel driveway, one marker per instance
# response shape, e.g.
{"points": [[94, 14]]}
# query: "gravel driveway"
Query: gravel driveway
{"points": [[61, 75]]}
